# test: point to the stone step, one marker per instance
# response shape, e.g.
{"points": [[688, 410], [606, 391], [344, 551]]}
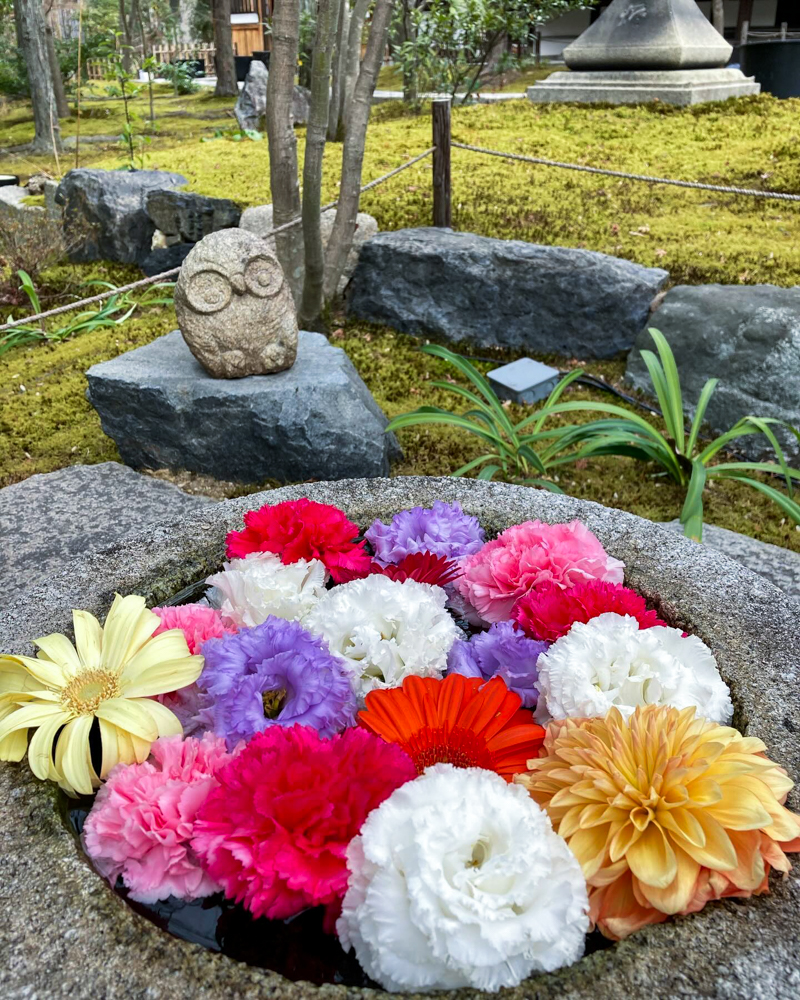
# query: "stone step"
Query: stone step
{"points": [[48, 520]]}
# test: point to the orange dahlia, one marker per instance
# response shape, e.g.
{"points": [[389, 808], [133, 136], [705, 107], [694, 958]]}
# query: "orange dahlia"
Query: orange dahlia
{"points": [[664, 811], [459, 720]]}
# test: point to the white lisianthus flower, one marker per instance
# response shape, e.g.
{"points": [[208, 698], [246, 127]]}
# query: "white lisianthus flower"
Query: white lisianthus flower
{"points": [[248, 590], [457, 879], [609, 661], [385, 630]]}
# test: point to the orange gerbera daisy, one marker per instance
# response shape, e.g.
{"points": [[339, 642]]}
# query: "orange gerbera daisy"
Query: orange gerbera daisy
{"points": [[462, 721]]}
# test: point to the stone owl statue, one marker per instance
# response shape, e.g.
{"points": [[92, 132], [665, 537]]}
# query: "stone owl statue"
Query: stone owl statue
{"points": [[235, 310]]}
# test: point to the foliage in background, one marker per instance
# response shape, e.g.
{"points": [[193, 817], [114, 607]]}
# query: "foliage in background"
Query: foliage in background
{"points": [[179, 76]]}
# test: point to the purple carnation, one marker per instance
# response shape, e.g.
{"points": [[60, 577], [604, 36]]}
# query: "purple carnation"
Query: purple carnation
{"points": [[275, 673], [443, 529], [504, 651]]}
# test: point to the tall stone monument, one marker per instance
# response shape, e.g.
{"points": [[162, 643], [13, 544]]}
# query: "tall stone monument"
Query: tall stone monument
{"points": [[646, 50]]}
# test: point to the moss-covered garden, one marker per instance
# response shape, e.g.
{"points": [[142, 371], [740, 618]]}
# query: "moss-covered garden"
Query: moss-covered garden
{"points": [[46, 422]]}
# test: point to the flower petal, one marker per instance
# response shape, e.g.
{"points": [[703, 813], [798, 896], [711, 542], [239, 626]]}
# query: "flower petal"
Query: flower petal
{"points": [[652, 859], [163, 676], [678, 894], [30, 716], [129, 716], [40, 749], [165, 720], [73, 756], [44, 671], [127, 628], [88, 638]]}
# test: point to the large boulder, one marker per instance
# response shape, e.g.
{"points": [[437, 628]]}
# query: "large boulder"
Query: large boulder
{"points": [[736, 949], [316, 420], [184, 217], [251, 104], [258, 220], [93, 505], [502, 293], [747, 336], [105, 212]]}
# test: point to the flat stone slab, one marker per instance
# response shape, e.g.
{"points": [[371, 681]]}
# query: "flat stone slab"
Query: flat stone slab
{"points": [[681, 87], [47, 521], [747, 336], [64, 933], [316, 420], [779, 566], [502, 293]]}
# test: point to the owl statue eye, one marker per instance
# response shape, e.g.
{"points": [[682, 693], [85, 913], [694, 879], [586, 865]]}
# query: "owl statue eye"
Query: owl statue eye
{"points": [[263, 277], [208, 291]]}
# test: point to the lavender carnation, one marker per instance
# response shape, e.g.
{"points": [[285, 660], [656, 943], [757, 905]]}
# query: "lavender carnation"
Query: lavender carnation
{"points": [[504, 651], [443, 529], [275, 673]]}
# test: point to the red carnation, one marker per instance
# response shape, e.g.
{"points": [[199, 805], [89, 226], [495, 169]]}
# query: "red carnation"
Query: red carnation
{"points": [[303, 529], [549, 612], [275, 831]]}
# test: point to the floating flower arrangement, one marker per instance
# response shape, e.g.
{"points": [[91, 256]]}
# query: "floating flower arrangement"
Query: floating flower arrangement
{"points": [[462, 803]]}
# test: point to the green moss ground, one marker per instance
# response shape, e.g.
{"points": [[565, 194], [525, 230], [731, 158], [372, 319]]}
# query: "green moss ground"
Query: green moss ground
{"points": [[697, 236]]}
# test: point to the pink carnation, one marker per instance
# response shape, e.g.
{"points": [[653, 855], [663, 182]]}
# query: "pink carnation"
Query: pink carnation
{"points": [[198, 622], [550, 612], [275, 832], [527, 556], [142, 821]]}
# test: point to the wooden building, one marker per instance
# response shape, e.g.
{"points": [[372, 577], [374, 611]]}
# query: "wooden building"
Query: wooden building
{"points": [[248, 19]]}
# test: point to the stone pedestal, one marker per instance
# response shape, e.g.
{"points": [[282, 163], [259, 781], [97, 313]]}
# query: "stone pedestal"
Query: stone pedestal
{"points": [[316, 420], [681, 86]]}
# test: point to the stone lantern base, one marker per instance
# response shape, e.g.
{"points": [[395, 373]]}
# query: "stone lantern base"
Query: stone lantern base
{"points": [[677, 86]]}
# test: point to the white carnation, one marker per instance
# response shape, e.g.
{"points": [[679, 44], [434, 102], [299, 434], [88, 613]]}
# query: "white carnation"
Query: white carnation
{"points": [[248, 590], [457, 879], [385, 630], [609, 661]]}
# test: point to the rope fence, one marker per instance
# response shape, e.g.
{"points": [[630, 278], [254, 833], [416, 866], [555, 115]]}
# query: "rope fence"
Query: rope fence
{"points": [[165, 275]]}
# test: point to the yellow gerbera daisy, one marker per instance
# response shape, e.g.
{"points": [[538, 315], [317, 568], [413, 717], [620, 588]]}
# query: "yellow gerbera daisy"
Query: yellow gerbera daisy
{"points": [[110, 674]]}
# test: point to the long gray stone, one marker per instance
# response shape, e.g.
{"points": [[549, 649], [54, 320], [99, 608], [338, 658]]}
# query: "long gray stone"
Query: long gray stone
{"points": [[737, 949], [502, 293], [105, 213], [680, 87], [778, 565], [747, 336], [316, 420], [48, 521], [184, 217]]}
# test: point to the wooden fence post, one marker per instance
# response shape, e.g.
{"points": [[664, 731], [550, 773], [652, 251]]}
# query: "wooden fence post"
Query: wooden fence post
{"points": [[442, 215]]}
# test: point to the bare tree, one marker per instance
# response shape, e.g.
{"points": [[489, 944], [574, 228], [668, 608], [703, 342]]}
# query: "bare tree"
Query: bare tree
{"points": [[282, 142], [223, 46], [338, 71], [62, 106], [353, 58], [718, 15], [355, 138], [47, 134], [327, 32]]}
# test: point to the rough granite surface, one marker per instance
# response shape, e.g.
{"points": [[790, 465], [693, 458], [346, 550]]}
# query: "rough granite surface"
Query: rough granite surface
{"points": [[502, 293], [65, 934], [49, 520]]}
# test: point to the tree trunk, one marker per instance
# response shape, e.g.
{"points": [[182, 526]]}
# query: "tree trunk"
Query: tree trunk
{"points": [[319, 107], [62, 106], [282, 142], [718, 15], [338, 63], [34, 50], [410, 77], [223, 45], [745, 14], [126, 39], [353, 60], [355, 137]]}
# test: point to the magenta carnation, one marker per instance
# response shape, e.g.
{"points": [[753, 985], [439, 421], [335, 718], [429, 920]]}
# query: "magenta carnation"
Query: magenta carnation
{"points": [[527, 556], [142, 821], [275, 832], [550, 612], [198, 622]]}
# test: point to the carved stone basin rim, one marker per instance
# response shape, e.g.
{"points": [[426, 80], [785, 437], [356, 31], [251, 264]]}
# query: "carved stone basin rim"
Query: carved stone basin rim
{"points": [[65, 933]]}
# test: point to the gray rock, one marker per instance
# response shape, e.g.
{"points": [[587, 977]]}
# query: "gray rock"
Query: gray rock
{"points": [[747, 336], [105, 214], [258, 220], [184, 217], [502, 293], [778, 565], [682, 87], [251, 104], [162, 259], [235, 310], [50, 520], [649, 34], [36, 183], [738, 949], [316, 420], [51, 206]]}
